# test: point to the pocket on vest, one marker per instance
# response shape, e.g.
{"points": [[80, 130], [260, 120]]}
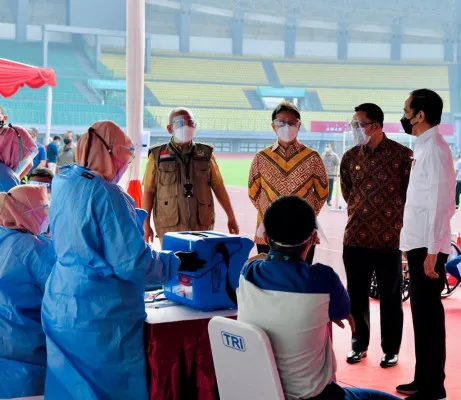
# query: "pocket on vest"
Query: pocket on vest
{"points": [[205, 213], [167, 212], [167, 173]]}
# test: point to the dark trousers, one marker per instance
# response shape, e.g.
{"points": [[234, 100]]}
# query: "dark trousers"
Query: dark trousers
{"points": [[331, 183], [360, 263], [428, 323], [458, 192], [264, 248]]}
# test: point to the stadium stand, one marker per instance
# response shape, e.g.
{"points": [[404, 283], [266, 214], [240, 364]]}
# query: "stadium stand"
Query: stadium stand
{"points": [[362, 76], [307, 117], [72, 114], [61, 57], [199, 95], [193, 69], [218, 89], [250, 120], [346, 99], [71, 105], [47, 12], [7, 15], [339, 87], [220, 119]]}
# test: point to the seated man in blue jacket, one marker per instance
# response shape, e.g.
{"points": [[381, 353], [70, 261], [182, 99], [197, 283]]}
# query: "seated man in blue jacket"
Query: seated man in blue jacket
{"points": [[294, 302]]}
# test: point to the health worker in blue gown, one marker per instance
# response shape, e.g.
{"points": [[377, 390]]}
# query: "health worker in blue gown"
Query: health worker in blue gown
{"points": [[26, 260], [93, 309], [17, 151]]}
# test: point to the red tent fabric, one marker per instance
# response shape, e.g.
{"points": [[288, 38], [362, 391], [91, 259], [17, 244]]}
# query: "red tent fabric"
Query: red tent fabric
{"points": [[15, 75]]}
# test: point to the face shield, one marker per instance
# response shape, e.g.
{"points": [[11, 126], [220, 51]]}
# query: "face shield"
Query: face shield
{"points": [[26, 153], [358, 129], [183, 129], [40, 214], [42, 183], [122, 157], [24, 164], [287, 131]]}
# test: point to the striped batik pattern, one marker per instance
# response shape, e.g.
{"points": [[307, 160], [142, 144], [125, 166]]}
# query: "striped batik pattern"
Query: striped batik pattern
{"points": [[296, 170]]}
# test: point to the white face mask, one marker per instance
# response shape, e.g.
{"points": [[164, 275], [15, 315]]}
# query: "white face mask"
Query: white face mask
{"points": [[360, 137], [287, 133], [184, 134]]}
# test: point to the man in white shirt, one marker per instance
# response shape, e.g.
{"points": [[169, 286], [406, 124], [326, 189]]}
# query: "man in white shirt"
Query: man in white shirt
{"points": [[426, 236]]}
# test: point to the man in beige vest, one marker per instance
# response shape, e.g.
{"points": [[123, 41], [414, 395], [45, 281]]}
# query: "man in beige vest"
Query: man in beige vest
{"points": [[179, 180]]}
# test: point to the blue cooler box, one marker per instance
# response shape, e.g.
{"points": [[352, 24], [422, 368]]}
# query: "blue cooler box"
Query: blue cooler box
{"points": [[213, 286]]}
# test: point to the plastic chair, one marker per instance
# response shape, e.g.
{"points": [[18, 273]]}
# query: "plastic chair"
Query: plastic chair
{"points": [[244, 362]]}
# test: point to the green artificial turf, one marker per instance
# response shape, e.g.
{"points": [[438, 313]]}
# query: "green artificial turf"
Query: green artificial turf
{"points": [[234, 171]]}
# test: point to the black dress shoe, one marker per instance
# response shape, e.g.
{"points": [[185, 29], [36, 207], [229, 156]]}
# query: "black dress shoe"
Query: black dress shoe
{"points": [[355, 357], [389, 360], [408, 389]]}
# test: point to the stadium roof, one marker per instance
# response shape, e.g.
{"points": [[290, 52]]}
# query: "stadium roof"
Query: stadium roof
{"points": [[440, 15]]}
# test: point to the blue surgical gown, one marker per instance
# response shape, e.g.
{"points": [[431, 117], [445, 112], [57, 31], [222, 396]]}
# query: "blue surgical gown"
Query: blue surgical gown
{"points": [[25, 264], [8, 179], [93, 309]]}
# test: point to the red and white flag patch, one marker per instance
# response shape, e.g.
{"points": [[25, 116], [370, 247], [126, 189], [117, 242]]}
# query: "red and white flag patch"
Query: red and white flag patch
{"points": [[164, 154]]}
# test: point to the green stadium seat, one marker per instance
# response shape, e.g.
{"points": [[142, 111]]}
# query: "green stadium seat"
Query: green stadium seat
{"points": [[322, 75], [174, 69], [201, 95]]}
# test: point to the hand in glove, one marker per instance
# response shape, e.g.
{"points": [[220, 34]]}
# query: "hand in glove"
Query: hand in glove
{"points": [[189, 261]]}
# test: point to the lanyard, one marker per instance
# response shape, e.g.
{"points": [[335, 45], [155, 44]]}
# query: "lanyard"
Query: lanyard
{"points": [[185, 163]]}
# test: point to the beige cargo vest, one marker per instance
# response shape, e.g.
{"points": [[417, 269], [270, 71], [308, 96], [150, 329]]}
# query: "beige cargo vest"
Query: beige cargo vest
{"points": [[173, 212]]}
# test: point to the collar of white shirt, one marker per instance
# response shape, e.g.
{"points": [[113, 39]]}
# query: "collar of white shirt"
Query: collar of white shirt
{"points": [[426, 136]]}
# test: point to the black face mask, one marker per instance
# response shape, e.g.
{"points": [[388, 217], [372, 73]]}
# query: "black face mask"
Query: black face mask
{"points": [[407, 125]]}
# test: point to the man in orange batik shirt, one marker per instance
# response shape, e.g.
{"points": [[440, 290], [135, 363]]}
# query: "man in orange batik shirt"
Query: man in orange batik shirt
{"points": [[288, 167]]}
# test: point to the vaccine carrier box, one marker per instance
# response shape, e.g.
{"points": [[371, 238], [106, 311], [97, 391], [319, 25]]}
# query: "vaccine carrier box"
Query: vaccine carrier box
{"points": [[211, 287]]}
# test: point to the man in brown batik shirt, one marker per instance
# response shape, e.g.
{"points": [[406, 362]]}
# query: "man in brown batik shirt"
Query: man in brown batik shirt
{"points": [[374, 180]]}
